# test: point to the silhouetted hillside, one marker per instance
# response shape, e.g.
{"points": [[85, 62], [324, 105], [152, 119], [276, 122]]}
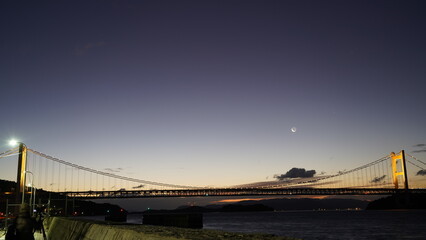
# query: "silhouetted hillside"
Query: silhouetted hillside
{"points": [[309, 203], [245, 208], [216, 208], [401, 201], [7, 186], [274, 204]]}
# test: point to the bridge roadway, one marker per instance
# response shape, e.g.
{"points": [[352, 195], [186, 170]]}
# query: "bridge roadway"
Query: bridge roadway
{"points": [[220, 192]]}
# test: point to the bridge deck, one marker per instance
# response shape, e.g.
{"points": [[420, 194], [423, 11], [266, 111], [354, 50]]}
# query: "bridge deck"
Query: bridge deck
{"points": [[237, 192]]}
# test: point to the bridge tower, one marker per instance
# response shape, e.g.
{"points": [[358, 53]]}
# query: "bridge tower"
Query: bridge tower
{"points": [[22, 165], [399, 168]]}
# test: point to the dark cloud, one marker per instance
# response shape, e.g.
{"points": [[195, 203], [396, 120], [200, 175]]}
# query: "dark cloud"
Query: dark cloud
{"points": [[139, 186], [420, 145], [421, 172], [296, 173], [378, 179], [419, 151]]}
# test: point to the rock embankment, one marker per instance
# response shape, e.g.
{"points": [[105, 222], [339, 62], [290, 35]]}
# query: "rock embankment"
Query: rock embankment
{"points": [[70, 229]]}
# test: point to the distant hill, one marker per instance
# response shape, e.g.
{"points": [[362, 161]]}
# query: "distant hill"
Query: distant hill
{"points": [[281, 204], [7, 186], [222, 208], [401, 201]]}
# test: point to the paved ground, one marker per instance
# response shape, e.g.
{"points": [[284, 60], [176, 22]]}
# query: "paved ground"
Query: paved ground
{"points": [[37, 236]]}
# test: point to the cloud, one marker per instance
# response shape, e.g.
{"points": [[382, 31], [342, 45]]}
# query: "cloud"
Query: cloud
{"points": [[420, 145], [139, 186], [296, 173], [421, 173], [378, 179], [419, 151], [114, 170], [81, 50]]}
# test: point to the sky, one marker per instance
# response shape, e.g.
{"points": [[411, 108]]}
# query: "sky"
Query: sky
{"points": [[206, 93]]}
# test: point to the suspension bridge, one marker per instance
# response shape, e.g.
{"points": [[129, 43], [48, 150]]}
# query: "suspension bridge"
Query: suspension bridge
{"points": [[384, 176]]}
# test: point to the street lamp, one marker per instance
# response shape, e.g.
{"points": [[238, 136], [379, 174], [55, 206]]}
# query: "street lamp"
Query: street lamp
{"points": [[13, 142], [32, 189]]}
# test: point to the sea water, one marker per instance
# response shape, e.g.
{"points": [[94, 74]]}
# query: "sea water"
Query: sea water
{"points": [[310, 225], [315, 225]]}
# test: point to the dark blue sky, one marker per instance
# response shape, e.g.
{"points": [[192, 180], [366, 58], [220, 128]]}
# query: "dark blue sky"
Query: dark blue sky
{"points": [[186, 91]]}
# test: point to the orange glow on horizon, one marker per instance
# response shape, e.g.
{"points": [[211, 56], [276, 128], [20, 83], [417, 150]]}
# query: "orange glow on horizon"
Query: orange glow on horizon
{"points": [[260, 199], [318, 197], [240, 200]]}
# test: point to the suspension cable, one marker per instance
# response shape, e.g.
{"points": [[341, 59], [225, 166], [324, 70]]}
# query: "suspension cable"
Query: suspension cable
{"points": [[335, 175], [415, 158], [9, 152], [108, 174], [356, 169], [415, 164]]}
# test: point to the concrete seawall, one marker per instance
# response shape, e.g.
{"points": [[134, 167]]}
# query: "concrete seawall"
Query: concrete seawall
{"points": [[73, 229]]}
